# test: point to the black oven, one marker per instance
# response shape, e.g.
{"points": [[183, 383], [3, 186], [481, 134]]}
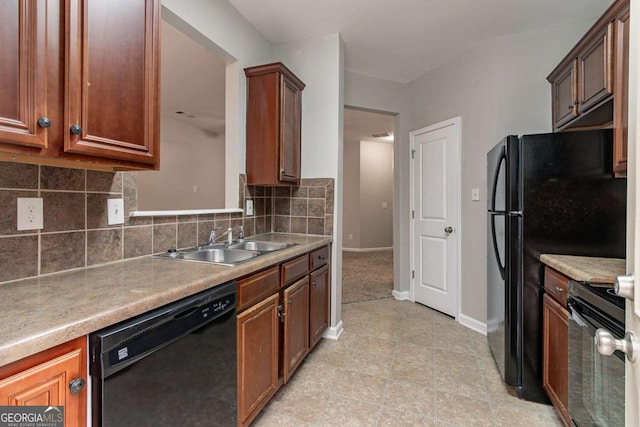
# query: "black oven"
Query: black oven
{"points": [[596, 382]]}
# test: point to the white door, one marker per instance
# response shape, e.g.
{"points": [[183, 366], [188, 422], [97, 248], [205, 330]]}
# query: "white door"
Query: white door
{"points": [[632, 374], [435, 236]]}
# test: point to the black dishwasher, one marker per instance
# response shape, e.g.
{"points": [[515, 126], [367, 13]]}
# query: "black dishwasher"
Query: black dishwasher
{"points": [[173, 366]]}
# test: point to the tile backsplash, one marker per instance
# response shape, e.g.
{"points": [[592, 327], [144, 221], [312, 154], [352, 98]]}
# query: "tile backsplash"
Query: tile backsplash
{"points": [[76, 233]]}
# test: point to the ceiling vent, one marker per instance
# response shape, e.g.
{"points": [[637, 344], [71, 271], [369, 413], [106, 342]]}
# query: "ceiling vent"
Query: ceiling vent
{"points": [[380, 135]]}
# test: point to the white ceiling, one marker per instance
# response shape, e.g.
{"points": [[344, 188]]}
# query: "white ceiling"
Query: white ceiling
{"points": [[360, 125], [401, 40]]}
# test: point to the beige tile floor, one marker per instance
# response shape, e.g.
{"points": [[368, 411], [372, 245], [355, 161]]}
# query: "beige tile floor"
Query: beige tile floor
{"points": [[401, 364]]}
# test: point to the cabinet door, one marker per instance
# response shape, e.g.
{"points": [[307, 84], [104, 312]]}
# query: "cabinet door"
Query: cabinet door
{"points": [[595, 61], [23, 66], [319, 306], [112, 75], [296, 326], [621, 101], [48, 382], [258, 338], [563, 90], [555, 373], [290, 132]]}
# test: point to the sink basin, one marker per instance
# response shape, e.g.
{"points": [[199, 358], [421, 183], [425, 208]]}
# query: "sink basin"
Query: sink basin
{"points": [[220, 256], [260, 246], [225, 253]]}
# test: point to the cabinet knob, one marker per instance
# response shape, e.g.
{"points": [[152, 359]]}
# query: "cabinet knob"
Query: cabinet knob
{"points": [[607, 344], [315, 283], [76, 386], [76, 130], [559, 289], [44, 122], [570, 106], [623, 286]]}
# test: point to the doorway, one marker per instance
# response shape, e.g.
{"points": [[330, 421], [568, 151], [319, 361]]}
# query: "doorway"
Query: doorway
{"points": [[367, 271]]}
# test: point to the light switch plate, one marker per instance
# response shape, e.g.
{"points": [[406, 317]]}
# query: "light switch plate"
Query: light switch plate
{"points": [[30, 213], [115, 211], [475, 194]]}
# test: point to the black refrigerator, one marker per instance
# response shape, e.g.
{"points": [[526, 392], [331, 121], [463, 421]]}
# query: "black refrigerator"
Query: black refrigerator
{"points": [[547, 193]]}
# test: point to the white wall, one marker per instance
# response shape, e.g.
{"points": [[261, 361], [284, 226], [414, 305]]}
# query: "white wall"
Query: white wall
{"points": [[190, 157], [376, 188], [219, 26], [319, 63], [351, 189], [497, 89]]}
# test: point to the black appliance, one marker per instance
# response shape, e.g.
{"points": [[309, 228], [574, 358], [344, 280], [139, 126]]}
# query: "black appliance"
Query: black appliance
{"points": [[173, 366], [596, 382], [547, 193]]}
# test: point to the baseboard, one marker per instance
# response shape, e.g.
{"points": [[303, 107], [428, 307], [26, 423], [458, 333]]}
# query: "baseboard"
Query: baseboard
{"points": [[334, 332], [365, 249], [472, 323], [400, 295]]}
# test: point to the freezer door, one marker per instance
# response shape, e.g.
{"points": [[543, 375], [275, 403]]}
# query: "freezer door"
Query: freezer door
{"points": [[496, 178]]}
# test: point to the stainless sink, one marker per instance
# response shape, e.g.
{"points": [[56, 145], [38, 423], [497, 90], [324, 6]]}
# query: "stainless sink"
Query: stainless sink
{"points": [[220, 256], [260, 246], [226, 253]]}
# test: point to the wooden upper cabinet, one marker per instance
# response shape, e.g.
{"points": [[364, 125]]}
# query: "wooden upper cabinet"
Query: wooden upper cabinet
{"points": [[23, 63], [112, 73], [79, 83], [595, 73], [274, 111], [563, 88], [621, 102]]}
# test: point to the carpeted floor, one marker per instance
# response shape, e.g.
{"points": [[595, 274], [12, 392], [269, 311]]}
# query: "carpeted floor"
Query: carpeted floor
{"points": [[366, 275]]}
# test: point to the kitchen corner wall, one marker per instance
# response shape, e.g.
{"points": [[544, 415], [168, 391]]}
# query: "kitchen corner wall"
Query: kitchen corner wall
{"points": [[76, 233]]}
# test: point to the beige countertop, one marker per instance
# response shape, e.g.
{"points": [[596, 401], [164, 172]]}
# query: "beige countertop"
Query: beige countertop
{"points": [[587, 269], [42, 312]]}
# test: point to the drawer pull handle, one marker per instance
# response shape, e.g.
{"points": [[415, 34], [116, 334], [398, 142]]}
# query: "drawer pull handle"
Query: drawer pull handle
{"points": [[559, 289], [322, 257], [76, 386]]}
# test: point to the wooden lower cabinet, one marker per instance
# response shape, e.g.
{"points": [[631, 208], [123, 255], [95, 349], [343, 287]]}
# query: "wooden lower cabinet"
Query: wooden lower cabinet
{"points": [[555, 335], [296, 326], [258, 341], [54, 377], [283, 312], [319, 305]]}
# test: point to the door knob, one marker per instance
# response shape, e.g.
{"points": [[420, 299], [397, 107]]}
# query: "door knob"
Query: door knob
{"points": [[448, 230], [623, 286], [607, 344]]}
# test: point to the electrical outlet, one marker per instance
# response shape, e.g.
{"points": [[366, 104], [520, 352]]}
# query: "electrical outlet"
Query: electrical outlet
{"points": [[30, 213], [350, 236], [249, 207], [115, 211]]}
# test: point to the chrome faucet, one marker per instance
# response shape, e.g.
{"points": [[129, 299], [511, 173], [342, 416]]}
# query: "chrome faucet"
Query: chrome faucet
{"points": [[229, 233]]}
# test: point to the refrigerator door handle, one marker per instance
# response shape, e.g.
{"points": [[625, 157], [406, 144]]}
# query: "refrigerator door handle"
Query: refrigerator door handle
{"points": [[501, 267], [494, 186]]}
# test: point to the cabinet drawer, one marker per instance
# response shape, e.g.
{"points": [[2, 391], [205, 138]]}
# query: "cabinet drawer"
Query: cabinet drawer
{"points": [[294, 269], [258, 286], [319, 257], [557, 285]]}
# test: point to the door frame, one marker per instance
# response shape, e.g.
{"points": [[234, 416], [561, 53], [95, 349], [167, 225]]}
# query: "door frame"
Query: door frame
{"points": [[457, 122]]}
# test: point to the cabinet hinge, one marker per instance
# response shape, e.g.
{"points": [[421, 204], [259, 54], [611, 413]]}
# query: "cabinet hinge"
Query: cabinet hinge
{"points": [[413, 153], [413, 274], [413, 214]]}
